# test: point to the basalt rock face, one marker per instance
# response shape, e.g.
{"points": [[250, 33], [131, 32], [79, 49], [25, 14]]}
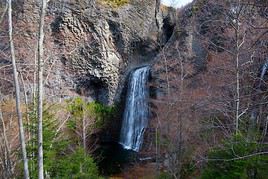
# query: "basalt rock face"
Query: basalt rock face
{"points": [[89, 45], [100, 42]]}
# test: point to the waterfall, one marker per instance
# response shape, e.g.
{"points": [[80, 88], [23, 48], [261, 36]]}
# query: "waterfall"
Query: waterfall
{"points": [[135, 119], [263, 72], [254, 112]]}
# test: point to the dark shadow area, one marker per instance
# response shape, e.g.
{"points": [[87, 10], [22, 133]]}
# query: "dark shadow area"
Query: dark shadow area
{"points": [[113, 158], [167, 29], [94, 87]]}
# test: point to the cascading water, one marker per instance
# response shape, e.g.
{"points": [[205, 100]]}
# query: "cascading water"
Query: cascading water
{"points": [[261, 82], [263, 72], [136, 112]]}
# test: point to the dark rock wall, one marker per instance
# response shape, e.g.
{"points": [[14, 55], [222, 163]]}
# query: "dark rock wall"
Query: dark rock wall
{"points": [[90, 47], [102, 42]]}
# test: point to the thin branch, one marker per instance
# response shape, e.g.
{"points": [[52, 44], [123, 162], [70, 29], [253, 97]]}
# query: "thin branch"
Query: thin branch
{"points": [[236, 158]]}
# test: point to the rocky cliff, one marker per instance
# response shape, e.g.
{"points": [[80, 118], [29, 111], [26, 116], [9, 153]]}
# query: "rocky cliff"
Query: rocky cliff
{"points": [[102, 42], [90, 45]]}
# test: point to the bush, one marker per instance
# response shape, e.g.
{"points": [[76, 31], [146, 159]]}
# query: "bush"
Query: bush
{"points": [[98, 113], [59, 160], [76, 165], [236, 160], [164, 175]]}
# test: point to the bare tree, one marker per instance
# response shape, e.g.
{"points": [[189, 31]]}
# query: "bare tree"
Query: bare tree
{"points": [[83, 116], [40, 89], [223, 99], [5, 159], [3, 13], [239, 41], [171, 118], [231, 35], [17, 90]]}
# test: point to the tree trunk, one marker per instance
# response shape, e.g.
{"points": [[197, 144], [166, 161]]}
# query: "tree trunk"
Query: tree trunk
{"points": [[7, 164], [237, 115], [17, 90], [40, 90], [84, 133]]}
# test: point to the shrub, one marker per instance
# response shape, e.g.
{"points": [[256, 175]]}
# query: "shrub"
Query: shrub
{"points": [[59, 160], [98, 113], [236, 160], [164, 175], [76, 165]]}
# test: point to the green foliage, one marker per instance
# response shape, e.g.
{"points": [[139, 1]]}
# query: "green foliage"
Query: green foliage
{"points": [[87, 117], [63, 157], [50, 145], [236, 160], [188, 168], [164, 175], [102, 113], [116, 3], [76, 165], [59, 161], [97, 113]]}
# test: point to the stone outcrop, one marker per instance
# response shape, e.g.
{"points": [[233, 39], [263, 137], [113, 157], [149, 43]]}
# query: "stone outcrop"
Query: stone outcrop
{"points": [[90, 47], [100, 43]]}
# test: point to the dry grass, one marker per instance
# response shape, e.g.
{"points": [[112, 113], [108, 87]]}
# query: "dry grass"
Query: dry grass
{"points": [[114, 3]]}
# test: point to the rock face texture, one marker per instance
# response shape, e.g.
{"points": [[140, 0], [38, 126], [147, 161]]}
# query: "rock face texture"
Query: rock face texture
{"points": [[90, 46], [101, 42]]}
